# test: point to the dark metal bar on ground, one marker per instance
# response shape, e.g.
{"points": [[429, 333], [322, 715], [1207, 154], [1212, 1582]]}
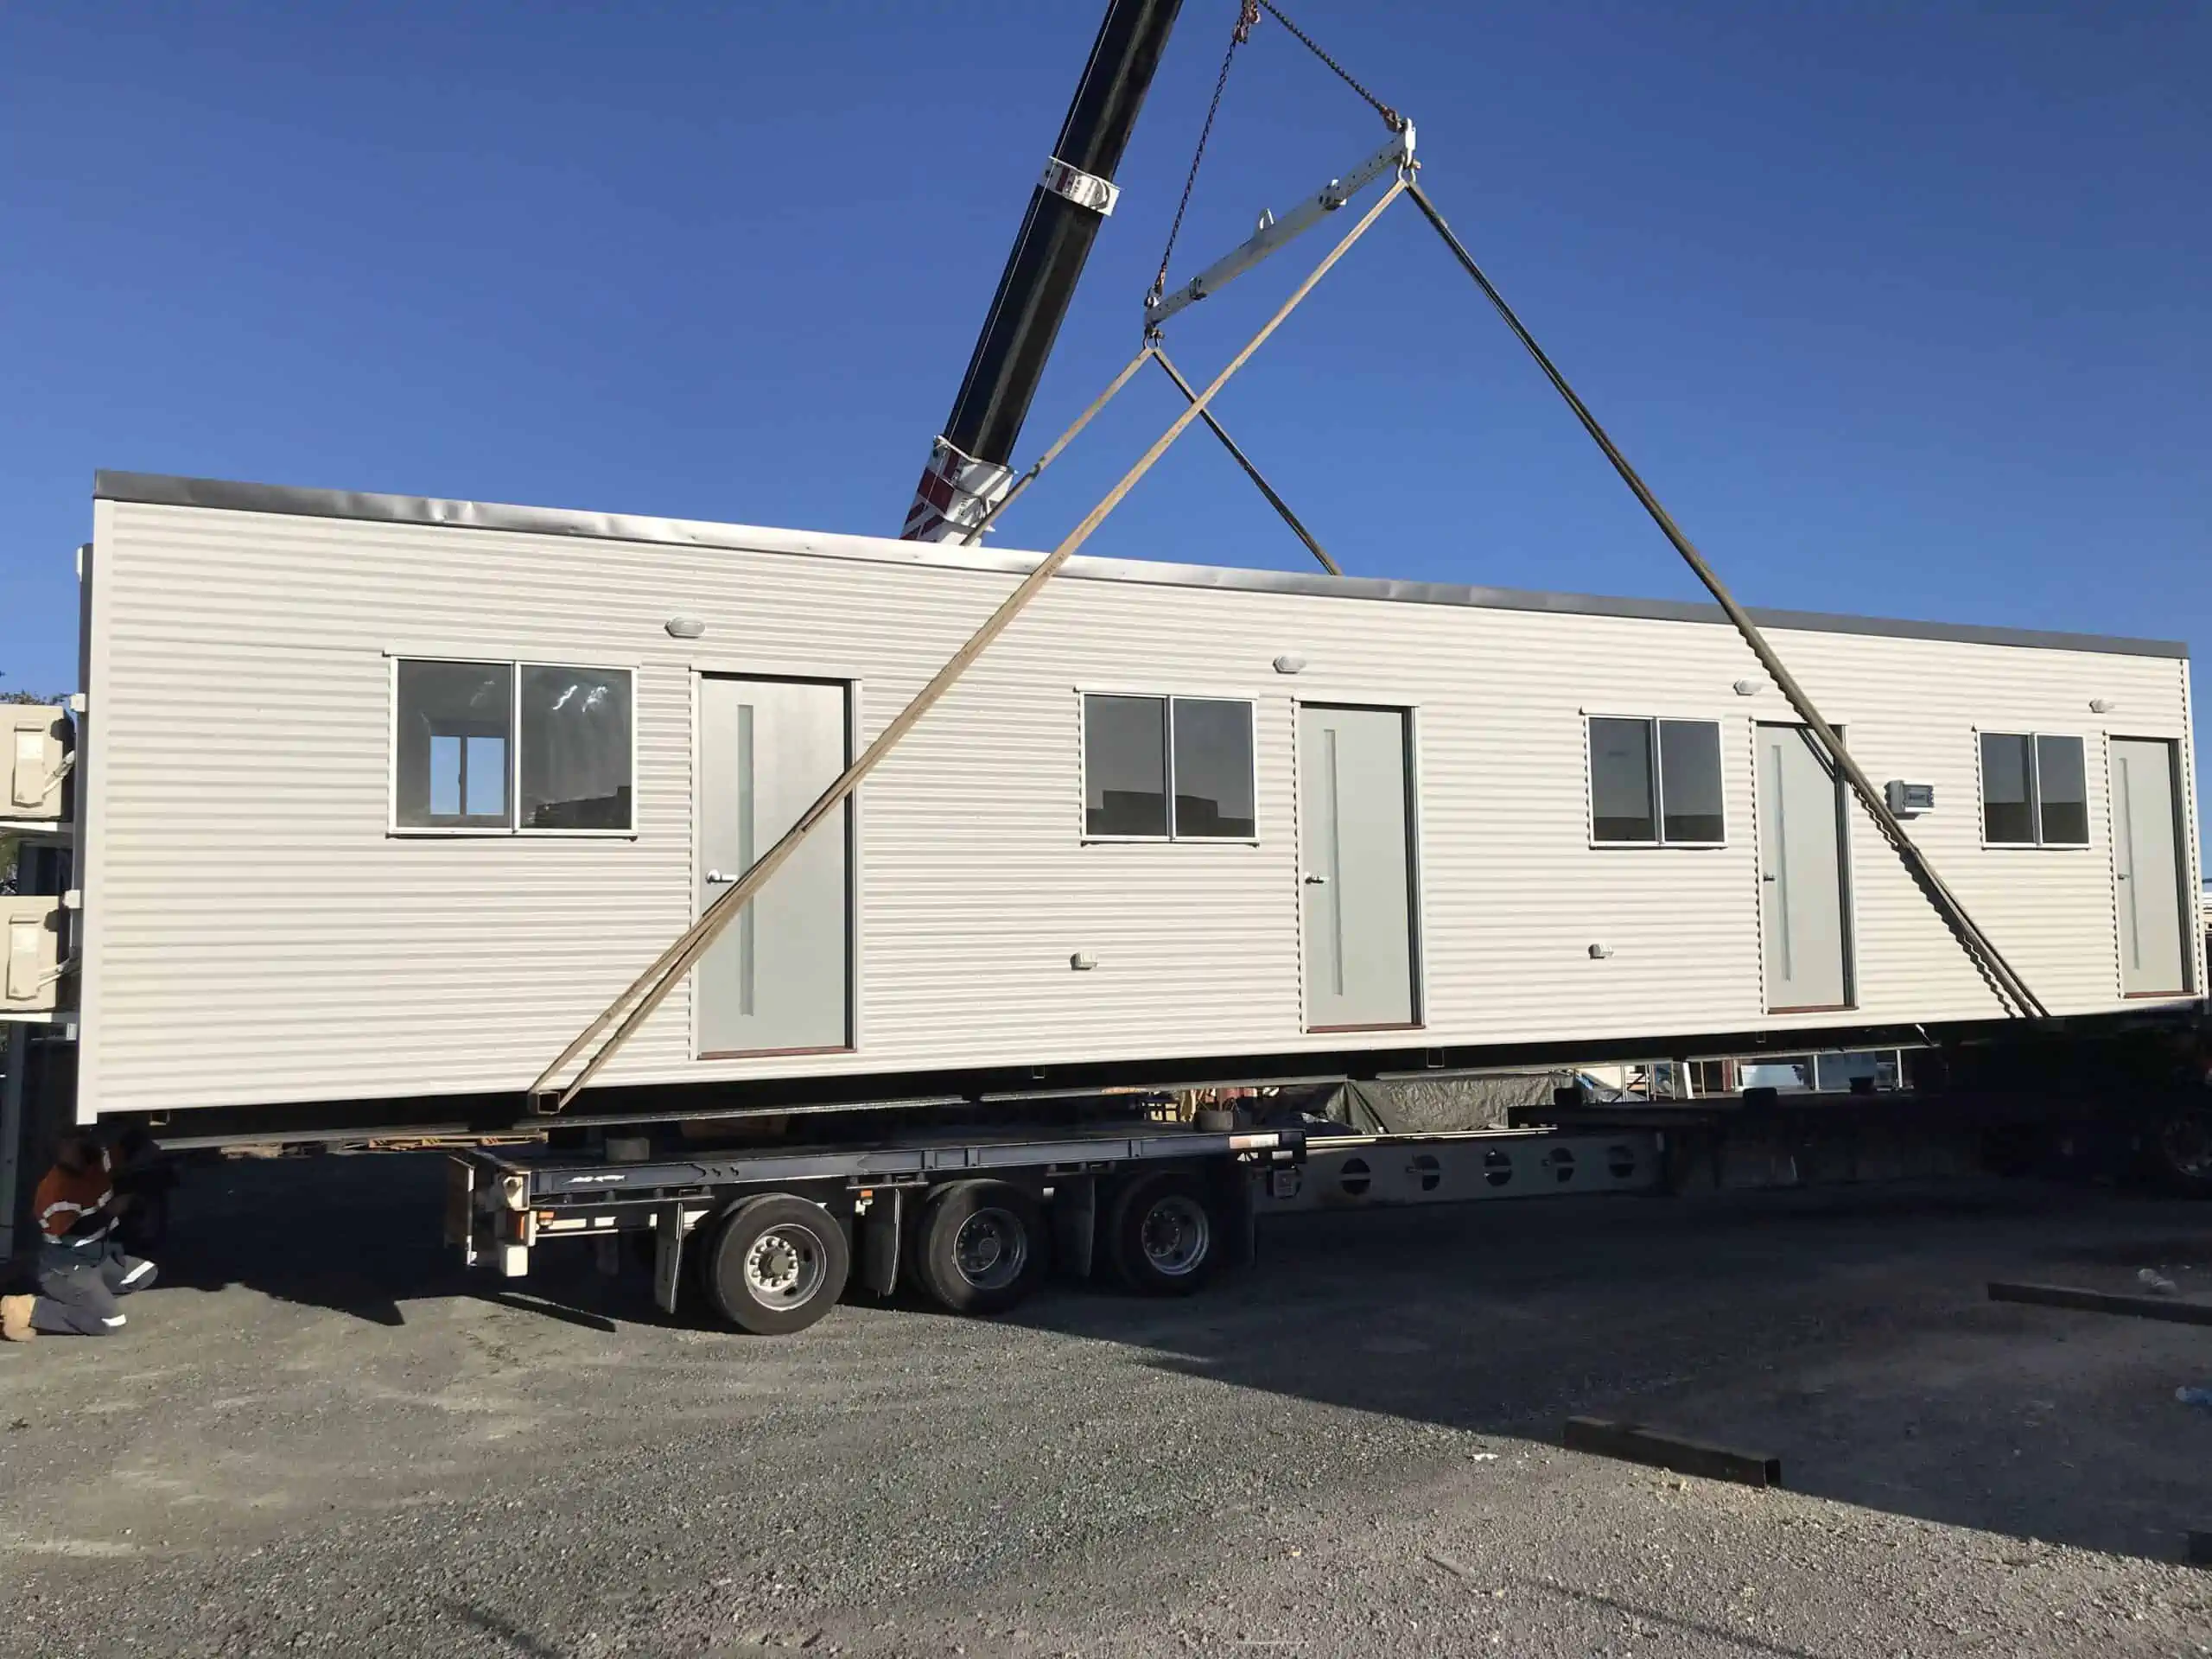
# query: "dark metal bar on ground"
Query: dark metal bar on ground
{"points": [[2103, 1301], [1634, 1443]]}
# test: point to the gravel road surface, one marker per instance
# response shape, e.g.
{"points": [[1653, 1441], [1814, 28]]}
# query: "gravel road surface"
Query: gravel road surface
{"points": [[318, 1437]]}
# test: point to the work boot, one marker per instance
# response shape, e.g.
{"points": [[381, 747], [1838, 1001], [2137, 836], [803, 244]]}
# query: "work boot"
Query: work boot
{"points": [[16, 1318]]}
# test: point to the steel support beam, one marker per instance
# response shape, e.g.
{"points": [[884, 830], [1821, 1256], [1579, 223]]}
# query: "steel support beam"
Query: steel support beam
{"points": [[1275, 233], [17, 1042]]}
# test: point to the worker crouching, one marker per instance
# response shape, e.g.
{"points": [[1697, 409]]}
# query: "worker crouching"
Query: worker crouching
{"points": [[81, 1269]]}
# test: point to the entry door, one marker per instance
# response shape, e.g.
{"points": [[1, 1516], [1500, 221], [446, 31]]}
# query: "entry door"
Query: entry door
{"points": [[1804, 896], [1355, 835], [778, 977], [2146, 847]]}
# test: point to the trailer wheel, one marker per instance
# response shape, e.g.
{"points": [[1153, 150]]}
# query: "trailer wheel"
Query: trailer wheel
{"points": [[779, 1264], [1162, 1235], [2180, 1151], [982, 1246]]}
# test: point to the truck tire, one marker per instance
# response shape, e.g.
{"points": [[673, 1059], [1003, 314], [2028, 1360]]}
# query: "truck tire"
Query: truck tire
{"points": [[1162, 1235], [778, 1263], [2180, 1150], [982, 1246]]}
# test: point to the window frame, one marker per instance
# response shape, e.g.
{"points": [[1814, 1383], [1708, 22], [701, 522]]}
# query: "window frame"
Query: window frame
{"points": [[514, 828], [1167, 700], [522, 828], [1660, 841], [2034, 738]]}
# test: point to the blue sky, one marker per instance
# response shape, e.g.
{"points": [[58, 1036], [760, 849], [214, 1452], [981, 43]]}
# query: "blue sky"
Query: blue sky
{"points": [[1901, 309]]}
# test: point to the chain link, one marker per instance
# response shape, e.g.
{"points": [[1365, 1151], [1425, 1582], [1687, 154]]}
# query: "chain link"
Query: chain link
{"points": [[1391, 116], [1248, 15]]}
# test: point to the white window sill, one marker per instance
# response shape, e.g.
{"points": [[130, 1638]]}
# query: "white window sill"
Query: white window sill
{"points": [[397, 832]]}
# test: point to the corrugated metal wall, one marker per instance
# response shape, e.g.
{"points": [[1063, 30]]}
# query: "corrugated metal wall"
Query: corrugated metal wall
{"points": [[254, 935]]}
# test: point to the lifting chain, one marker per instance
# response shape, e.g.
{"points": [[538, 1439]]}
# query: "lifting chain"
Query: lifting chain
{"points": [[1248, 18], [1247, 14], [1391, 119]]}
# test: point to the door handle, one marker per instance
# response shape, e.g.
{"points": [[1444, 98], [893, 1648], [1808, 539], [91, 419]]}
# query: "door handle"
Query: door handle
{"points": [[1764, 878], [719, 880], [1317, 880]]}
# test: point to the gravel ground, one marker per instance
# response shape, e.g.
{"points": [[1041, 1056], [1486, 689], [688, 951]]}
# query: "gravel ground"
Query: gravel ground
{"points": [[318, 1437]]}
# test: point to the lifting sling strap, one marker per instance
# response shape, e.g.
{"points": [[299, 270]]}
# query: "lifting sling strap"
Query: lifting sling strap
{"points": [[652, 987]]}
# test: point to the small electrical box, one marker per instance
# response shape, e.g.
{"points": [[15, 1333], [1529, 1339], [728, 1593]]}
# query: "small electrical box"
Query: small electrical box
{"points": [[30, 954], [35, 746], [1909, 800]]}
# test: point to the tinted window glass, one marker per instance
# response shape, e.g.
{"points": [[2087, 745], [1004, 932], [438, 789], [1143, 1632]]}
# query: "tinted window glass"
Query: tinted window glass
{"points": [[1213, 768], [1689, 779], [1125, 765], [576, 748], [452, 746], [2007, 805], [1620, 780], [2063, 790]]}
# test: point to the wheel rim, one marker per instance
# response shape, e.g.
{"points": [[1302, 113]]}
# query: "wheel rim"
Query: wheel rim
{"points": [[2186, 1141], [1175, 1235], [991, 1248], [784, 1266]]}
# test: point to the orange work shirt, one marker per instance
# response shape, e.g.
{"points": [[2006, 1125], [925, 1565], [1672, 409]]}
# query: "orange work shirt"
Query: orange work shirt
{"points": [[65, 1199]]}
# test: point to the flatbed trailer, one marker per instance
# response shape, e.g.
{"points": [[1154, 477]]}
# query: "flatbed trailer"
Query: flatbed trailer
{"points": [[770, 1237], [974, 1214]]}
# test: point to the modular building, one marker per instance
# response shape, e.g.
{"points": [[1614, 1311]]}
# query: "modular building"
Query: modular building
{"points": [[383, 799]]}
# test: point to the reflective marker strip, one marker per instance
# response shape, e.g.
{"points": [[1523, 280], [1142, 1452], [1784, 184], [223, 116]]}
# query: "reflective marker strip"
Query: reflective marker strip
{"points": [[70, 1206]]}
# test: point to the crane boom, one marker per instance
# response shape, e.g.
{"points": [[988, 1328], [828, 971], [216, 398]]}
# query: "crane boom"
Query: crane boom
{"points": [[968, 468]]}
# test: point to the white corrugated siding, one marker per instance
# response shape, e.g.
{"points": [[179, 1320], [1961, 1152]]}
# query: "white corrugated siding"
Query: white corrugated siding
{"points": [[254, 935]]}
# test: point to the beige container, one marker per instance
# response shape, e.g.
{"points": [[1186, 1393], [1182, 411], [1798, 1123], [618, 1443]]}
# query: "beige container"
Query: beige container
{"points": [[30, 954], [33, 739]]}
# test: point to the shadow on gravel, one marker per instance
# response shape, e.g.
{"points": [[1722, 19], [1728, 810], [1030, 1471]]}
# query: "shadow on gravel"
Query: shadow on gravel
{"points": [[1721, 1640], [1846, 1333], [491, 1624], [343, 1234], [361, 1237]]}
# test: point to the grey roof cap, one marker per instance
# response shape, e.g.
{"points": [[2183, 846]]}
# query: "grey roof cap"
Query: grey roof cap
{"points": [[162, 490]]}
